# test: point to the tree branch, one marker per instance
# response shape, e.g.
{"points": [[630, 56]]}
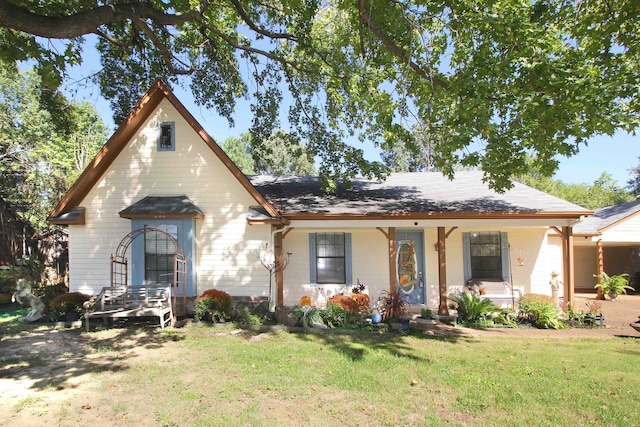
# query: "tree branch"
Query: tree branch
{"points": [[366, 18], [167, 56], [258, 29], [85, 22]]}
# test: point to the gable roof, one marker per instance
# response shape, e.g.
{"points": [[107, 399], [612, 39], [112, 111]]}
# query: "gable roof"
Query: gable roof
{"points": [[605, 218], [410, 195], [127, 129]]}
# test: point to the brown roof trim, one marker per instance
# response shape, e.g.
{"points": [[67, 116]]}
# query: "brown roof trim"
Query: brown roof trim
{"points": [[125, 132], [75, 216], [434, 215], [142, 215], [274, 221]]}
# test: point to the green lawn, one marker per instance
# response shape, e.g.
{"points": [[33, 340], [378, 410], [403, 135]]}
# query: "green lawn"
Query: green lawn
{"points": [[204, 376]]}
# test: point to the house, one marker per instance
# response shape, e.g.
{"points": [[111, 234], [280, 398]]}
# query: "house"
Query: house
{"points": [[420, 231], [608, 241]]}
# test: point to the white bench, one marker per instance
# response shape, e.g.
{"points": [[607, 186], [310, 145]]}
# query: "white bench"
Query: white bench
{"points": [[500, 292], [131, 301]]}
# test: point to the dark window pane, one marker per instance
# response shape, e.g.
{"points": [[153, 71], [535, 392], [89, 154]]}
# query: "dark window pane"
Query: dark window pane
{"points": [[486, 255]]}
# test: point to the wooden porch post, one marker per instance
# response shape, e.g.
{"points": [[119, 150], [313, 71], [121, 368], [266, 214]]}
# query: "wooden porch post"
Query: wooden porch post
{"points": [[392, 259], [277, 243], [442, 272], [600, 255], [568, 264]]}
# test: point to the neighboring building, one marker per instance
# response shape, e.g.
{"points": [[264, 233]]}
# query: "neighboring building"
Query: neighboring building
{"points": [[419, 231], [608, 241]]}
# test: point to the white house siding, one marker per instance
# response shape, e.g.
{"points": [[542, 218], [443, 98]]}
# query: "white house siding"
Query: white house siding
{"points": [[370, 264], [226, 248], [627, 231], [528, 243]]}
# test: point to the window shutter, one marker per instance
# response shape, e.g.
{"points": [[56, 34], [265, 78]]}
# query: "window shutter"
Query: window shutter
{"points": [[466, 255], [347, 259], [506, 258], [313, 277]]}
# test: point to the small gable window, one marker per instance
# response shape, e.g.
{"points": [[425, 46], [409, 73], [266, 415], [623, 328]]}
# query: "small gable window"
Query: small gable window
{"points": [[166, 136]]}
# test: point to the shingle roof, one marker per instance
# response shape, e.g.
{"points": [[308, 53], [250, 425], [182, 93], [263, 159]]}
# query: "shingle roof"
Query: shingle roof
{"points": [[406, 193], [605, 217]]}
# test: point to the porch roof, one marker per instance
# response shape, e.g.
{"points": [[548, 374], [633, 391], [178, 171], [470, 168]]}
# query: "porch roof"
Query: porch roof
{"points": [[408, 193]]}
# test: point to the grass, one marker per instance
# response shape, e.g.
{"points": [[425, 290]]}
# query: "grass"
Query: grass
{"points": [[389, 380], [205, 376]]}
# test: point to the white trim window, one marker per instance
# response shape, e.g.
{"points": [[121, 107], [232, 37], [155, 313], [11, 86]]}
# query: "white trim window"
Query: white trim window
{"points": [[330, 258]]}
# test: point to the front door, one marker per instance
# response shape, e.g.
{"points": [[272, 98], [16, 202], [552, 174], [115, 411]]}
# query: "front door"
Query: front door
{"points": [[410, 265]]}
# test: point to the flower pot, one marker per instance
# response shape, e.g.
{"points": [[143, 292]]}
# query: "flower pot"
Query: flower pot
{"points": [[376, 318], [405, 324], [425, 321], [613, 295]]}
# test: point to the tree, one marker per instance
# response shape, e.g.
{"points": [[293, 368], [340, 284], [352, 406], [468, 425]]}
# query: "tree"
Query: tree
{"points": [[500, 80], [633, 184], [41, 153], [280, 154], [239, 151], [416, 157], [604, 191]]}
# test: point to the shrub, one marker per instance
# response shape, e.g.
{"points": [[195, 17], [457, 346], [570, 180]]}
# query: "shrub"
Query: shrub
{"points": [[49, 292], [346, 303], [215, 305], [67, 304], [244, 316], [362, 300], [471, 306], [540, 310], [336, 316]]}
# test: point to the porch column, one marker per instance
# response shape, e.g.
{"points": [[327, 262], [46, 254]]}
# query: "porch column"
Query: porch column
{"points": [[393, 274], [442, 272], [568, 264], [277, 243], [600, 255]]}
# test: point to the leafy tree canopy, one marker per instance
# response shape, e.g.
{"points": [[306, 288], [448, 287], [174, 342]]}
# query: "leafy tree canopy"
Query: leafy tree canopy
{"points": [[280, 154], [41, 153], [494, 81], [602, 193]]}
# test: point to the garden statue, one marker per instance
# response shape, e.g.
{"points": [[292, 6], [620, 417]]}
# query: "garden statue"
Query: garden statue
{"points": [[555, 283], [24, 296]]}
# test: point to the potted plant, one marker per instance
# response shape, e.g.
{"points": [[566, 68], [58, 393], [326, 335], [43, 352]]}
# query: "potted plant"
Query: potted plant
{"points": [[426, 317], [394, 308], [613, 285]]}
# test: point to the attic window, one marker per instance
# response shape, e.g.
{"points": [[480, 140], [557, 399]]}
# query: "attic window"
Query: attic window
{"points": [[166, 136]]}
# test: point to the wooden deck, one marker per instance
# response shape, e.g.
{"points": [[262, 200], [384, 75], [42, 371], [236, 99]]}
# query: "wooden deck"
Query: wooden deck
{"points": [[131, 302]]}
